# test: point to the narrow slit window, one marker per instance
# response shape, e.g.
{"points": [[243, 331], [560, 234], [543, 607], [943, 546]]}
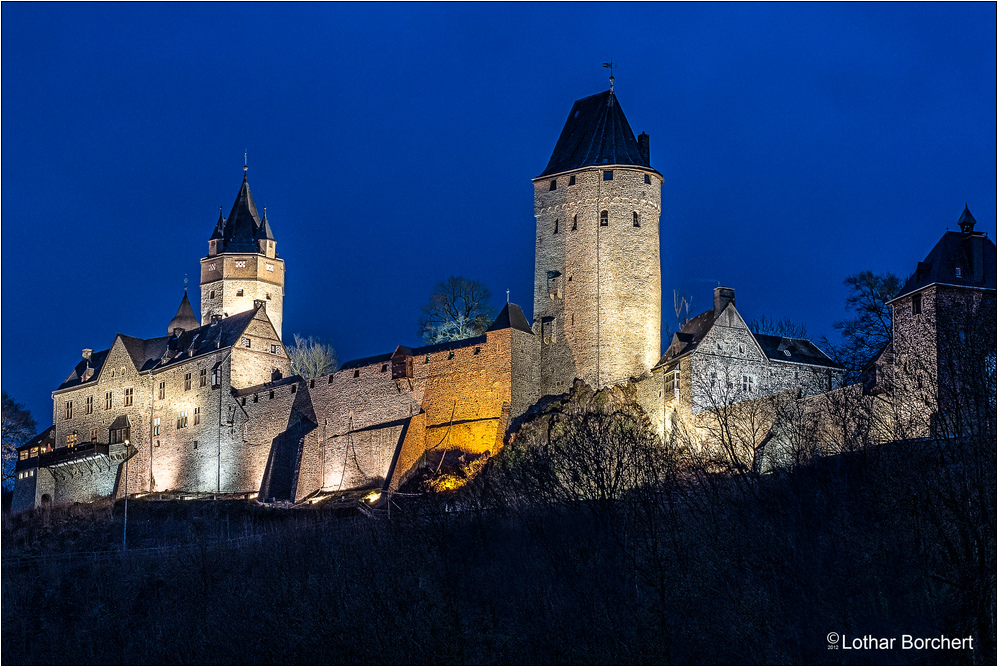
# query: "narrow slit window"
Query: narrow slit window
{"points": [[571, 180], [556, 225], [575, 222], [647, 179], [554, 184], [635, 219], [604, 218]]}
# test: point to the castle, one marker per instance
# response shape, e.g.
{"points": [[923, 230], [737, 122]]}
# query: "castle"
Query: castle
{"points": [[211, 408]]}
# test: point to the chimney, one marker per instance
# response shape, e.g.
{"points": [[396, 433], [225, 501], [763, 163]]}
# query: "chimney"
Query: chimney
{"points": [[644, 148], [722, 297], [87, 353]]}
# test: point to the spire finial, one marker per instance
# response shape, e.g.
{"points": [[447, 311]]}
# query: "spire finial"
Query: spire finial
{"points": [[507, 295], [245, 161], [185, 283], [609, 66]]}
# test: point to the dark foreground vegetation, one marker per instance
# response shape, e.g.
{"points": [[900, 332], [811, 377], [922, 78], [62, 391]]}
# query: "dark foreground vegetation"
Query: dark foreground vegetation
{"points": [[716, 570]]}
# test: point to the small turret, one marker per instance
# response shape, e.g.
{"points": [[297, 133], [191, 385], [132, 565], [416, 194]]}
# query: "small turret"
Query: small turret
{"points": [[966, 221], [184, 320]]}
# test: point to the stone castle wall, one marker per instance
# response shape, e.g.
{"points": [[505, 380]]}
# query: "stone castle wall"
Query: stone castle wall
{"points": [[597, 289], [222, 278]]}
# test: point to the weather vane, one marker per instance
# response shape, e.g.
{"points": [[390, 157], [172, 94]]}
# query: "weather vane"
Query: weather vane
{"points": [[245, 160], [609, 66]]}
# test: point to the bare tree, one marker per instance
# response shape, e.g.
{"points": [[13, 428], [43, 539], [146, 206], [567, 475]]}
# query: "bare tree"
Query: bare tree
{"points": [[459, 308], [785, 327], [869, 331], [18, 427], [311, 358]]}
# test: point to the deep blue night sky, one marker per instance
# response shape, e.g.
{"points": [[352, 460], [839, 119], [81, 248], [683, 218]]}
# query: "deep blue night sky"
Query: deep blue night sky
{"points": [[394, 145]]}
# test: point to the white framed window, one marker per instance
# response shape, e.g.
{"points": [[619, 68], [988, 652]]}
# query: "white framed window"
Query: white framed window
{"points": [[748, 383], [270, 267], [182, 419], [155, 426], [212, 267], [245, 341], [240, 263]]}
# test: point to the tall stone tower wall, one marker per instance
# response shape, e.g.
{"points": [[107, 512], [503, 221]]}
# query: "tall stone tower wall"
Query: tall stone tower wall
{"points": [[597, 287], [230, 283]]}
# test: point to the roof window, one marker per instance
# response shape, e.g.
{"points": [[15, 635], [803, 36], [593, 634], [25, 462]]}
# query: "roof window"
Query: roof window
{"points": [[959, 272]]}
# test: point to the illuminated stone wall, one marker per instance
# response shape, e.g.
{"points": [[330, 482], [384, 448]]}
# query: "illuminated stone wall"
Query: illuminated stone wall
{"points": [[597, 289]]}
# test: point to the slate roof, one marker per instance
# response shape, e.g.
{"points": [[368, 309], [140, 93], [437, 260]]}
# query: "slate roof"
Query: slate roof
{"points": [[687, 339], [511, 317], [972, 252], [75, 378], [185, 318], [243, 227], [48, 435], [596, 133], [148, 354], [801, 351]]}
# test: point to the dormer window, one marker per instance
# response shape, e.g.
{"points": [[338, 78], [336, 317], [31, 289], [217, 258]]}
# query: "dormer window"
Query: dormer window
{"points": [[959, 272]]}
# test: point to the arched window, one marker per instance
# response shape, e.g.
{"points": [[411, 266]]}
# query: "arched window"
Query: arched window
{"points": [[604, 218], [636, 219]]}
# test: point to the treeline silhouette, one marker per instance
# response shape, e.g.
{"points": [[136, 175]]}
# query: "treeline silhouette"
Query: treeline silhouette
{"points": [[586, 540]]}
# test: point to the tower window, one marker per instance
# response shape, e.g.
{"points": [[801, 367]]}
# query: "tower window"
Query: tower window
{"points": [[155, 426], [554, 184], [556, 226], [959, 272], [271, 393], [604, 218], [211, 294], [571, 180], [245, 341], [356, 373], [270, 267], [128, 396], [240, 263], [239, 292], [212, 267], [274, 349], [635, 219], [384, 368], [450, 355], [608, 175], [427, 360], [647, 179], [478, 350], [916, 304], [575, 222]]}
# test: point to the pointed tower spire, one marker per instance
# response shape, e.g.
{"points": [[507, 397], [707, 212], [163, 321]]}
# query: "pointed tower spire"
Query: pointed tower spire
{"points": [[184, 320], [264, 232], [216, 234], [966, 221]]}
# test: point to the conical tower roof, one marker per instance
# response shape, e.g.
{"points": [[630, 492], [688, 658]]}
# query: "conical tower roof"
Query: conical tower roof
{"points": [[184, 319], [243, 223], [966, 220], [596, 133]]}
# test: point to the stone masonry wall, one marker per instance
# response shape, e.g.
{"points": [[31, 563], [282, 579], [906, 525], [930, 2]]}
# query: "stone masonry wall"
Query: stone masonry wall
{"points": [[600, 319]]}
